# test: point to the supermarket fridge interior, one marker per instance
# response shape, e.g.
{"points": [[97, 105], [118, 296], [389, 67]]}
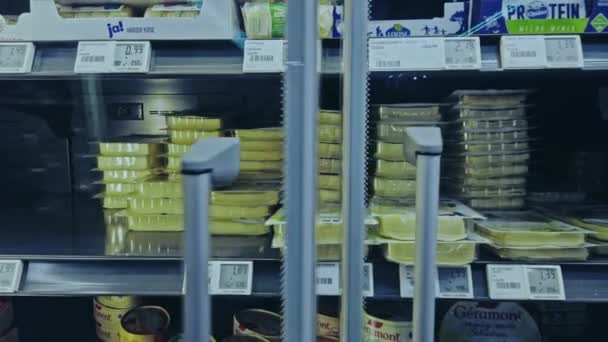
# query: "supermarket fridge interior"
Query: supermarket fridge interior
{"points": [[107, 107]]}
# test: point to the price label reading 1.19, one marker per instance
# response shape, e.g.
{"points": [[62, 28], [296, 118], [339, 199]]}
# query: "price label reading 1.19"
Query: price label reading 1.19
{"points": [[10, 275], [16, 57], [233, 278], [131, 57]]}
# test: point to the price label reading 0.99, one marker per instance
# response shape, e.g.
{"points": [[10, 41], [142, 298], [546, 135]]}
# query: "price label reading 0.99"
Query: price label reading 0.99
{"points": [[131, 57], [10, 275]]}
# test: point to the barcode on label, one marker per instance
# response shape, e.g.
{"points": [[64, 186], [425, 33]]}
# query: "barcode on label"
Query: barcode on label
{"points": [[92, 59], [388, 64], [261, 58], [523, 54], [465, 60], [325, 281], [508, 285]]}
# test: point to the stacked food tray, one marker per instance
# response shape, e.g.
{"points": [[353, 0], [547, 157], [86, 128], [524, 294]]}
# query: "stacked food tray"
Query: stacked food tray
{"points": [[487, 148], [330, 161]]}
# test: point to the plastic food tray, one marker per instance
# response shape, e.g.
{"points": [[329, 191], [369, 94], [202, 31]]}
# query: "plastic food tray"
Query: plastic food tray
{"points": [[495, 159], [409, 111], [531, 233], [249, 198], [106, 163], [330, 151], [541, 254], [448, 253], [394, 187], [497, 203], [329, 117], [190, 137], [260, 134], [494, 137], [330, 182], [193, 123], [262, 155], [223, 212], [403, 226], [501, 182], [395, 169], [496, 124]]}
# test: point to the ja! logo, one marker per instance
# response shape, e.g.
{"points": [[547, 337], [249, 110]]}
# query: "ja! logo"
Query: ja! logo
{"points": [[115, 29]]}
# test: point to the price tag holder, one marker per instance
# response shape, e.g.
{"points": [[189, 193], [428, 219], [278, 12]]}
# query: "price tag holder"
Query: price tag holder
{"points": [[406, 54], [231, 277], [16, 58], [545, 282], [10, 275], [454, 282], [564, 52], [211, 275], [368, 280], [113, 57], [523, 52], [506, 282], [406, 281], [328, 279], [462, 53], [264, 56]]}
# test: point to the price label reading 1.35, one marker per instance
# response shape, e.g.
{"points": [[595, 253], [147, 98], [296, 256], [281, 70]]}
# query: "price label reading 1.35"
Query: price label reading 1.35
{"points": [[545, 282], [264, 56], [564, 51], [131, 57], [10, 275], [16, 57], [232, 278], [454, 282], [462, 53]]}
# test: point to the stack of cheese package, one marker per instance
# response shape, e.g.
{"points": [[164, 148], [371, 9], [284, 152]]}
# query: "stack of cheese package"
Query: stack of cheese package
{"points": [[394, 187], [487, 148]]}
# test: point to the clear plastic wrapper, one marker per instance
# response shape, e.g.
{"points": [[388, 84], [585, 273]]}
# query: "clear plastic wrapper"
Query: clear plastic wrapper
{"points": [[403, 226], [110, 176], [330, 182], [262, 155], [541, 254], [497, 203], [115, 202], [231, 212], [142, 205], [193, 123], [329, 196], [409, 111], [263, 146], [330, 134], [490, 148], [260, 134], [330, 151], [176, 150], [493, 136], [330, 117], [129, 149], [394, 187], [259, 166], [190, 137], [490, 159], [330, 166], [395, 169], [260, 176], [264, 20], [493, 171], [500, 182], [586, 216], [120, 189], [491, 96], [106, 163], [156, 222], [492, 192], [248, 198], [494, 124], [474, 111], [160, 187], [173, 11], [448, 253], [238, 227], [393, 131], [101, 11], [388, 151]]}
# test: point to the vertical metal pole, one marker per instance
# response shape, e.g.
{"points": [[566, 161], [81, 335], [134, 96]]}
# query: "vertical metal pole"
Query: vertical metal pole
{"points": [[196, 221], [301, 106], [353, 167], [427, 210]]}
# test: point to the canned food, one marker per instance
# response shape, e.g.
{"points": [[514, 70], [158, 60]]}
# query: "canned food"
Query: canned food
{"points": [[258, 323], [328, 328], [144, 324], [118, 302], [180, 338], [384, 323], [108, 318]]}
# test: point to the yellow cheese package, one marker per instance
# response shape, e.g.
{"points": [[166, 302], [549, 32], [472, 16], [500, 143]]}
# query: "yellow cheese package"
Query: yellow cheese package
{"points": [[541, 254], [330, 182], [491, 97], [330, 166], [245, 198], [176, 150], [393, 131], [120, 189], [238, 227], [395, 169], [260, 134], [160, 187], [448, 253], [174, 164], [156, 222], [403, 226], [529, 229], [173, 11], [190, 137], [593, 217], [110, 176], [262, 155], [330, 151], [330, 117], [193, 123], [409, 111], [387, 321], [142, 205], [115, 202], [231, 212], [255, 176], [129, 148], [106, 163], [102, 11], [394, 187], [262, 146], [261, 166], [388, 151], [332, 196], [330, 134]]}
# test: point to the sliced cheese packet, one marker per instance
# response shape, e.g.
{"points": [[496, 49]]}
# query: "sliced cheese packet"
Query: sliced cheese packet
{"points": [[244, 198], [225, 212], [115, 202], [262, 155], [263, 146], [110, 176], [129, 148], [193, 123], [260, 176], [260, 134], [160, 187], [238, 227], [330, 166], [108, 163], [403, 226], [329, 182], [155, 222], [142, 205], [448, 253], [119, 189], [190, 137], [541, 254], [330, 151], [176, 150], [394, 188], [331, 196], [388, 151], [330, 134], [395, 169], [330, 117], [261, 166]]}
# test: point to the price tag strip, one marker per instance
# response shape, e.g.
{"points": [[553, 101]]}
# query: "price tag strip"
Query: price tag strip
{"points": [[113, 57], [264, 56], [564, 51], [328, 279], [540, 52], [454, 282], [16, 57], [462, 53], [10, 275], [536, 282]]}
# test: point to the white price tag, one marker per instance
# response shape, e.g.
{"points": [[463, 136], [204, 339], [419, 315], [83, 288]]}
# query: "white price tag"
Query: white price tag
{"points": [[264, 56], [210, 276], [402, 54], [454, 282], [93, 57], [506, 282], [545, 282], [523, 52], [462, 53], [406, 281], [564, 51], [231, 277], [16, 57], [10, 275], [131, 57], [328, 279], [330, 219], [368, 280]]}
